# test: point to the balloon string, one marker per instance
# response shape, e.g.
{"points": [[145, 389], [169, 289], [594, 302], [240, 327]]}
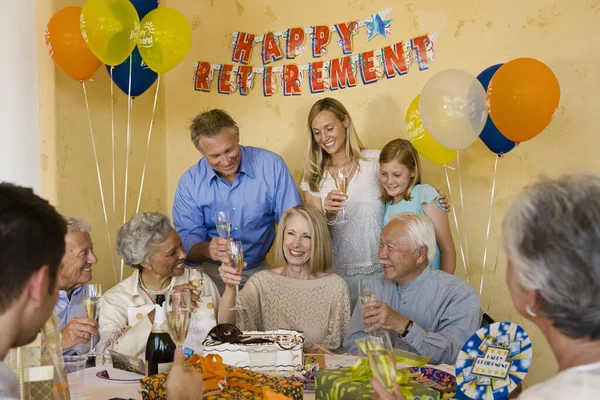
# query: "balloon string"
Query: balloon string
{"points": [[112, 120], [87, 106], [487, 234], [462, 207], [462, 251], [128, 149], [512, 164], [137, 208]]}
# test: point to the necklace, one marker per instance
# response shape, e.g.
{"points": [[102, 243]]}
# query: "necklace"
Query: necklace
{"points": [[154, 292]]}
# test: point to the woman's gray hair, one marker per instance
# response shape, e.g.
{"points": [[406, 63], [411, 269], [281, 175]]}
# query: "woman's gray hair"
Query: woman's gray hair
{"points": [[75, 224], [420, 231], [552, 240], [135, 237]]}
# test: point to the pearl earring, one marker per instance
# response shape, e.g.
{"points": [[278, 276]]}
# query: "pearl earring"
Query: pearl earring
{"points": [[531, 313]]}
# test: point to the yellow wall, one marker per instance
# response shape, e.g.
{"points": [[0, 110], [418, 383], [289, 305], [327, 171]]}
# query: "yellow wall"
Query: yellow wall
{"points": [[69, 177], [472, 36]]}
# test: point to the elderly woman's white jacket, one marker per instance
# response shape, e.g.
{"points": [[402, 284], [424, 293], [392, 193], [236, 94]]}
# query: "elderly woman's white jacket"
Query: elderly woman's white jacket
{"points": [[124, 309]]}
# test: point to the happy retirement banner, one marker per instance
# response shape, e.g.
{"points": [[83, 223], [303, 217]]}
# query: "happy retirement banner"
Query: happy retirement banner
{"points": [[339, 73]]}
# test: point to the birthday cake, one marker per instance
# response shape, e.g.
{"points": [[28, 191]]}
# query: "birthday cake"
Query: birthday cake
{"points": [[279, 350]]}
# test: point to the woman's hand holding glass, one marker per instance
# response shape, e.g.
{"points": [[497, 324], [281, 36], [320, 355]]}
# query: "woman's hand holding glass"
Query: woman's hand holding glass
{"points": [[335, 202], [229, 274], [194, 293]]}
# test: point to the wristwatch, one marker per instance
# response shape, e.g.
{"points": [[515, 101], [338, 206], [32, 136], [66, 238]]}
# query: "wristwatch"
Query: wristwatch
{"points": [[409, 324]]}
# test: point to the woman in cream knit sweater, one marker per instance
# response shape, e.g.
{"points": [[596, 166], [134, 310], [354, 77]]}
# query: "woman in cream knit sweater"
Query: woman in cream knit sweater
{"points": [[300, 294]]}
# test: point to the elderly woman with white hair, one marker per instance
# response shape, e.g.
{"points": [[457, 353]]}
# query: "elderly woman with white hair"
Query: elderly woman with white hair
{"points": [[150, 245], [552, 244]]}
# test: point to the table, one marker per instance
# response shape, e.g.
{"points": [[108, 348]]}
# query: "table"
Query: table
{"points": [[98, 389]]}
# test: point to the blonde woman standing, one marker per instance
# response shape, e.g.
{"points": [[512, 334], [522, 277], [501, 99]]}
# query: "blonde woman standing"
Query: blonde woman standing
{"points": [[334, 144]]}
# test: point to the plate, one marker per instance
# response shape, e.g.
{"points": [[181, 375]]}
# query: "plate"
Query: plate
{"points": [[105, 377], [434, 378], [494, 361]]}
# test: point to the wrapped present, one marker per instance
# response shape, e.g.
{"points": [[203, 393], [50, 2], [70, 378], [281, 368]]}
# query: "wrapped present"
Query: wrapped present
{"points": [[354, 383], [226, 382]]}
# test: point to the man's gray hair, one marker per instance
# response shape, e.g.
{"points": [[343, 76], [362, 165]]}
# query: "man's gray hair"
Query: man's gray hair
{"points": [[75, 224], [552, 240], [209, 124], [420, 231], [135, 237]]}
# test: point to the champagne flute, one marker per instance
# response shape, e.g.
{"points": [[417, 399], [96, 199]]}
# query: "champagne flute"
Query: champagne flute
{"points": [[179, 309], [196, 278], [92, 292], [222, 222], [382, 361], [235, 253], [340, 177], [366, 290]]}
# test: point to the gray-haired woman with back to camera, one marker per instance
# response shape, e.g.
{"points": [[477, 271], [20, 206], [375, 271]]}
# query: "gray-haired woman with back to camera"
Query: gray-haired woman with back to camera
{"points": [[552, 245], [149, 244]]}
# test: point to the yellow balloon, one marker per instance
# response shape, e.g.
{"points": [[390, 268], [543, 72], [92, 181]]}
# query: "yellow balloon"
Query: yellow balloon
{"points": [[109, 27], [425, 144], [165, 39]]}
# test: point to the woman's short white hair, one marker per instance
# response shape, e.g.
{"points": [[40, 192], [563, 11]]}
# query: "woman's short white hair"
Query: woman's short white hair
{"points": [[552, 240], [75, 224], [135, 237], [420, 231]]}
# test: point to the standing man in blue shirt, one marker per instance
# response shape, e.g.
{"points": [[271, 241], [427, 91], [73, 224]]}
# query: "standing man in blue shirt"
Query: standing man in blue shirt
{"points": [[253, 184], [76, 328]]}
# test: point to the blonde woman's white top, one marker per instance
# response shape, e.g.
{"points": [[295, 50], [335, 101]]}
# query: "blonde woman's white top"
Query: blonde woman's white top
{"points": [[356, 242], [124, 309]]}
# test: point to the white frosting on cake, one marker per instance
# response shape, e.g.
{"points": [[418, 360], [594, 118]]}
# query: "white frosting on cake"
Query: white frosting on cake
{"points": [[289, 351]]}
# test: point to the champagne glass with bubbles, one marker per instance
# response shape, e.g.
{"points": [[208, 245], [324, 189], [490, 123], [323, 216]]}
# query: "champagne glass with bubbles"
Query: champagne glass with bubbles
{"points": [[366, 291], [222, 222], [196, 278], [179, 310], [340, 177], [382, 361], [92, 292], [235, 253]]}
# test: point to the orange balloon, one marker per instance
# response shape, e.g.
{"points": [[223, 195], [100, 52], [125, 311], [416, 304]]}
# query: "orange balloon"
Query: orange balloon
{"points": [[66, 46], [523, 96]]}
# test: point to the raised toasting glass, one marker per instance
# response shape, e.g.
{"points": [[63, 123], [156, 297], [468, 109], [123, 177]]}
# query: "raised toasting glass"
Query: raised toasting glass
{"points": [[179, 310], [196, 278], [366, 291], [92, 292], [235, 252], [380, 354], [222, 221], [341, 178]]}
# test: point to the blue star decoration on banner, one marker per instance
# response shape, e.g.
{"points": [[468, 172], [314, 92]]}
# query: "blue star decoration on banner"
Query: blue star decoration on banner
{"points": [[378, 26]]}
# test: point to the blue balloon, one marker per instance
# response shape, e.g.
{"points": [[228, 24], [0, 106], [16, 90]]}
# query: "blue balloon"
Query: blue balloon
{"points": [[490, 135], [143, 7], [142, 77]]}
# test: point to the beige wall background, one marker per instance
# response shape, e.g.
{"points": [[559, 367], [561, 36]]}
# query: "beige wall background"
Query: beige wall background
{"points": [[472, 36]]}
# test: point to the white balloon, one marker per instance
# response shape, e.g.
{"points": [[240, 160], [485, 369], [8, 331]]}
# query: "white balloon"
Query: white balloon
{"points": [[454, 108]]}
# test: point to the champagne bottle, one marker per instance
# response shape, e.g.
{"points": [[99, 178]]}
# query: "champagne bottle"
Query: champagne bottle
{"points": [[160, 348]]}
